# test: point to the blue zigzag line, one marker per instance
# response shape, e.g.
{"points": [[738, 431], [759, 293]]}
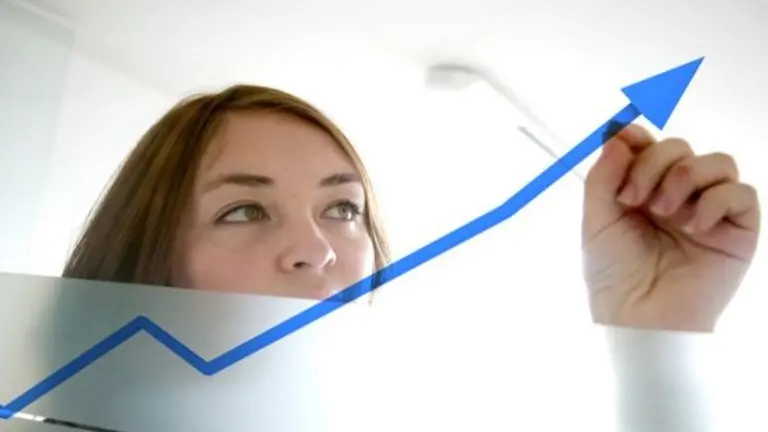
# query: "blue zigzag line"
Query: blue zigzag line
{"points": [[488, 220]]}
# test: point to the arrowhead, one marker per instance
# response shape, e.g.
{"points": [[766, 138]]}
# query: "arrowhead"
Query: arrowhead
{"points": [[656, 97]]}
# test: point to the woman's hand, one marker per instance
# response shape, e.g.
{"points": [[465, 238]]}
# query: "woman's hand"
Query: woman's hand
{"points": [[667, 234]]}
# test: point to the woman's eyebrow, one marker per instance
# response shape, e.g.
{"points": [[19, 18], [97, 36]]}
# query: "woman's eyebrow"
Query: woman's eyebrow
{"points": [[258, 181], [340, 179], [239, 179]]}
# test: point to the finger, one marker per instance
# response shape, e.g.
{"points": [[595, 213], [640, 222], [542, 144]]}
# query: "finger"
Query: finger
{"points": [[636, 137], [649, 168], [607, 175], [735, 201], [689, 176], [602, 184]]}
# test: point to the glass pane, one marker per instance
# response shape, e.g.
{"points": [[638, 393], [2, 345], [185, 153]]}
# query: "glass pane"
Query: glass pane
{"points": [[351, 370], [299, 383]]}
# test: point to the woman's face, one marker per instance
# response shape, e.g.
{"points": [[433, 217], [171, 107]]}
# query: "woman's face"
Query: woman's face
{"points": [[277, 209]]}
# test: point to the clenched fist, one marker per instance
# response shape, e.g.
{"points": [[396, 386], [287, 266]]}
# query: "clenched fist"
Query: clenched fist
{"points": [[667, 234]]}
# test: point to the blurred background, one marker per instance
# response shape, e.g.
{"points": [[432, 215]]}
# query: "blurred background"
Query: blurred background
{"points": [[81, 80]]}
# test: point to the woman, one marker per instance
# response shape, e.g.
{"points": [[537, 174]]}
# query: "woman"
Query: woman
{"points": [[254, 190]]}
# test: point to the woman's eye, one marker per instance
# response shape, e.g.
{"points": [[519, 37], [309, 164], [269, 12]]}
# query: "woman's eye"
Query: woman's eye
{"points": [[245, 213], [346, 211]]}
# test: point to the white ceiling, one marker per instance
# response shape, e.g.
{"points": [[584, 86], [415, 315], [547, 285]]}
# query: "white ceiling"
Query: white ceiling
{"points": [[566, 58]]}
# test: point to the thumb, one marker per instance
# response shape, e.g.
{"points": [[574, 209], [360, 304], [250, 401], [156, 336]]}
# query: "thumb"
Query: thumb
{"points": [[606, 177]]}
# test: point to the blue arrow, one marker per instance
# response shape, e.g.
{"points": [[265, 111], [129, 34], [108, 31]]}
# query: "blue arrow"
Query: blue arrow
{"points": [[655, 98]]}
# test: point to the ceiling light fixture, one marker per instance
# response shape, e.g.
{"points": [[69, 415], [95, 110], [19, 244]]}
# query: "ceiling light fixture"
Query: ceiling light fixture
{"points": [[456, 77]]}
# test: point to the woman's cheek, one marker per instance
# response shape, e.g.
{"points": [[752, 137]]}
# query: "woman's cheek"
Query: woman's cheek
{"points": [[233, 265]]}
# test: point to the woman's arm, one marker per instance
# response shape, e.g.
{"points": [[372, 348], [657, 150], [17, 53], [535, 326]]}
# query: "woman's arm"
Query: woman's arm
{"points": [[664, 380]]}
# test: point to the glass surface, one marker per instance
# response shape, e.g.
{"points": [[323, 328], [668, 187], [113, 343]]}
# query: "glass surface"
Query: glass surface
{"points": [[19, 425], [292, 385], [342, 372]]}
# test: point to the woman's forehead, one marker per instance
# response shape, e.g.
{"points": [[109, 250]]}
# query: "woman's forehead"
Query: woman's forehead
{"points": [[274, 145]]}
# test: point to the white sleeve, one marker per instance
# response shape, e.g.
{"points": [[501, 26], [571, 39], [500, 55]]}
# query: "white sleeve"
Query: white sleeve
{"points": [[662, 380]]}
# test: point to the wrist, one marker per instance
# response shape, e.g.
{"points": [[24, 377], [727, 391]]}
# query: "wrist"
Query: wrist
{"points": [[648, 316]]}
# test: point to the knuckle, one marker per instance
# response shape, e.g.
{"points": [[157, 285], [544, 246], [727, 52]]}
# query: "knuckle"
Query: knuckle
{"points": [[684, 168], [680, 178], [728, 162], [750, 191], [678, 145]]}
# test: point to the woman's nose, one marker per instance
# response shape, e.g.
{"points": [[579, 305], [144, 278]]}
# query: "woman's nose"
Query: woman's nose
{"points": [[306, 250]]}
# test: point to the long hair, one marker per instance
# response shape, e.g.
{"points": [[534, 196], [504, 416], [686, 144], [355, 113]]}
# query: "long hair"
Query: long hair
{"points": [[129, 236]]}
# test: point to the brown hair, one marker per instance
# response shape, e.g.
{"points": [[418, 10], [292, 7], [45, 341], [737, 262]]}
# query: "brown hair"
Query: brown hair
{"points": [[130, 235]]}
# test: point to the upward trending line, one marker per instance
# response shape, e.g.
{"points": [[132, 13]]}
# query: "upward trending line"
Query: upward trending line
{"points": [[320, 309], [658, 96]]}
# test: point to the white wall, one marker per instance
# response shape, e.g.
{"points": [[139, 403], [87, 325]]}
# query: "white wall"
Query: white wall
{"points": [[66, 124], [102, 116], [34, 54]]}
